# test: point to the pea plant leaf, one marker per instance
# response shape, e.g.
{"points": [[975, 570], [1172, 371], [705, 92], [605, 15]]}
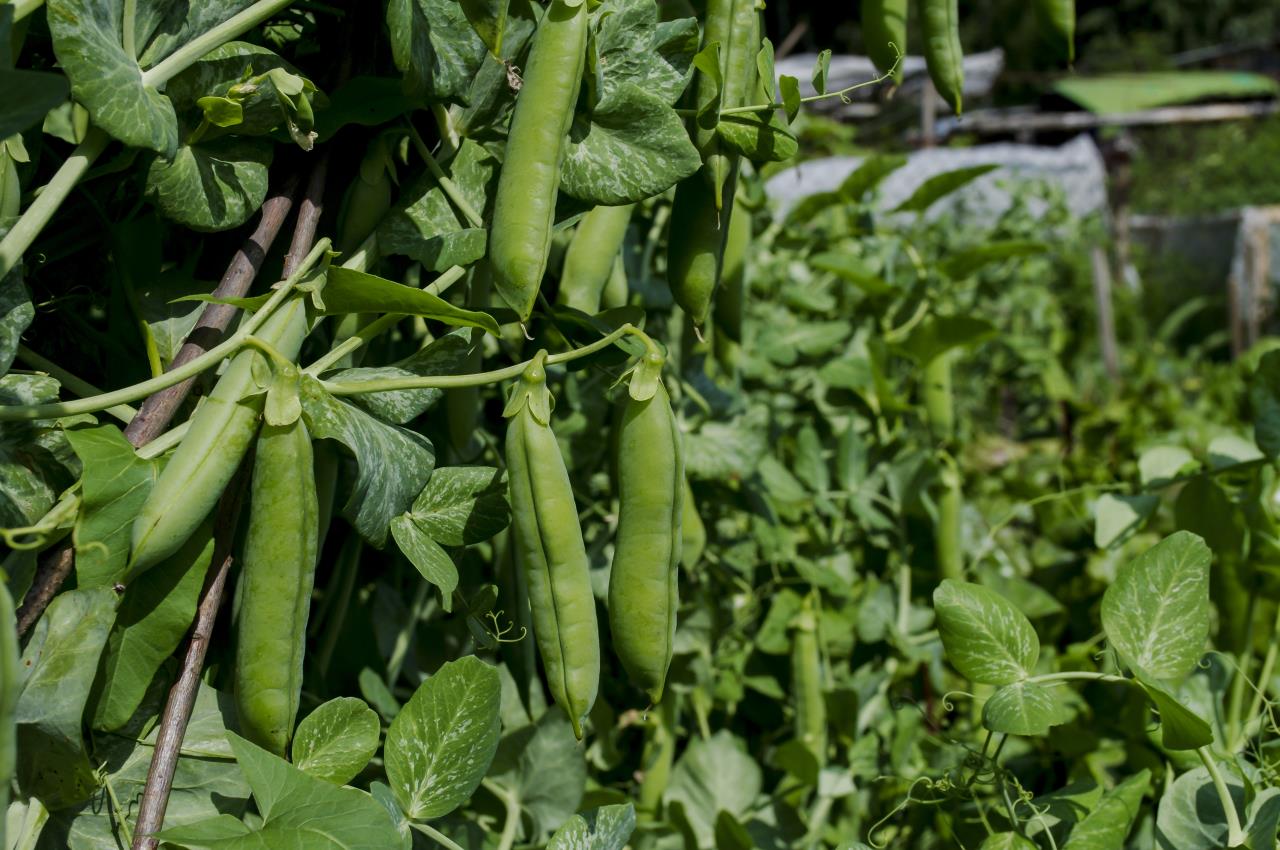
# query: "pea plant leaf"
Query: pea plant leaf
{"points": [[447, 355], [427, 556], [425, 225], [632, 47], [435, 46], [29, 95], [115, 484], [337, 740], [1006, 841], [298, 811], [1264, 395], [760, 136], [543, 770], [1180, 727], [212, 186], [1160, 465], [59, 664], [1107, 825], [16, 313], [939, 186], [983, 634], [381, 491], [1190, 815], [36, 460], [972, 259], [462, 505], [939, 334], [1156, 612], [633, 147], [1116, 518], [441, 743], [155, 615], [350, 291], [1025, 708], [714, 775], [605, 828]]}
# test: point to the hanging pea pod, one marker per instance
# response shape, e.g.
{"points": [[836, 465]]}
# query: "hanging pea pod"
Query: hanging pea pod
{"points": [[525, 206], [694, 533], [732, 293], [1057, 20], [884, 32], [806, 681], [274, 596], [643, 583], [592, 257], [940, 20], [221, 430], [550, 550], [368, 197]]}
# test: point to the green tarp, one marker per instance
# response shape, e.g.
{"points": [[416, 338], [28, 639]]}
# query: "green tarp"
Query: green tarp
{"points": [[1132, 92]]}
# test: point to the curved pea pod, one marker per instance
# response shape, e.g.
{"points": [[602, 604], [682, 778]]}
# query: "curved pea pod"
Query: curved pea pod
{"points": [[940, 20], [693, 532], [806, 682], [695, 248], [525, 205], [222, 428], [9, 672], [884, 32], [550, 550], [643, 586], [274, 596], [732, 292], [592, 257], [1057, 19]]}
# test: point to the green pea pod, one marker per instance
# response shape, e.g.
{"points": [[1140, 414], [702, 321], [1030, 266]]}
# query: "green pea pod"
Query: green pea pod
{"points": [[643, 591], [731, 294], [806, 682], [693, 532], [1057, 19], [617, 290], [550, 550], [368, 198], [274, 596], [592, 256], [884, 33], [9, 667], [940, 20], [939, 402], [221, 431], [657, 756], [735, 26], [946, 534], [525, 206], [695, 248]]}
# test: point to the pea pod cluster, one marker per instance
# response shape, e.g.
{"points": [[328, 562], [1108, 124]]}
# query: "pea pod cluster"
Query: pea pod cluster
{"points": [[221, 431], [274, 597], [525, 206], [643, 594], [549, 549]]}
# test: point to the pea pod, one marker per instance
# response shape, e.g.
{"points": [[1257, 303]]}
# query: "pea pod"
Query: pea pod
{"points": [[367, 199], [550, 550], [592, 257], [939, 402], [221, 430], [884, 33], [9, 667], [693, 533], [940, 20], [731, 294], [643, 591], [617, 289], [695, 248], [525, 206], [274, 596], [1057, 19], [947, 545], [657, 756], [806, 682]]}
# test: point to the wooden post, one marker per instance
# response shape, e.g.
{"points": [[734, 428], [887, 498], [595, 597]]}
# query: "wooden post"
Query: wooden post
{"points": [[928, 114], [1106, 319]]}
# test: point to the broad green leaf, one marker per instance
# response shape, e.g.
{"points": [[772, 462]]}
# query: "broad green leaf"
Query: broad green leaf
{"points": [[940, 185], [821, 70], [544, 768], [381, 491], [730, 834], [115, 484], [448, 355], [1264, 395], [760, 138], [58, 665], [1108, 824], [163, 27], [605, 828], [634, 146], [16, 314], [29, 95], [155, 614], [633, 48], [724, 450], [374, 689], [853, 269], [441, 744], [299, 812], [970, 260], [425, 225], [36, 461], [1007, 841], [382, 792], [364, 101], [985, 637], [490, 96], [869, 174], [1117, 517], [106, 79], [214, 185], [435, 46], [712, 775], [1190, 815], [789, 87], [336, 741], [1180, 728], [1228, 450], [1024, 708], [488, 18], [939, 334], [462, 505], [1156, 613], [1160, 465], [350, 291], [427, 556]]}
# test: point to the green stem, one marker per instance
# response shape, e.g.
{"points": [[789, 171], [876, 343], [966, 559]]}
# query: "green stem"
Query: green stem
{"points": [[12, 413], [164, 442], [128, 39], [1235, 833], [814, 98], [80, 387], [28, 227], [341, 388], [904, 599], [446, 184], [435, 834], [1076, 674], [512, 804], [187, 55], [1268, 667], [1235, 706]]}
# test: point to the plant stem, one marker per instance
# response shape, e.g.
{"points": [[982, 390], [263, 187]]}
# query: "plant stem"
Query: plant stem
{"points": [[446, 184], [28, 227], [1264, 677], [341, 388], [187, 55], [1076, 674], [512, 823], [1235, 720], [435, 835], [11, 413], [904, 599], [128, 38], [80, 387], [1235, 834]]}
